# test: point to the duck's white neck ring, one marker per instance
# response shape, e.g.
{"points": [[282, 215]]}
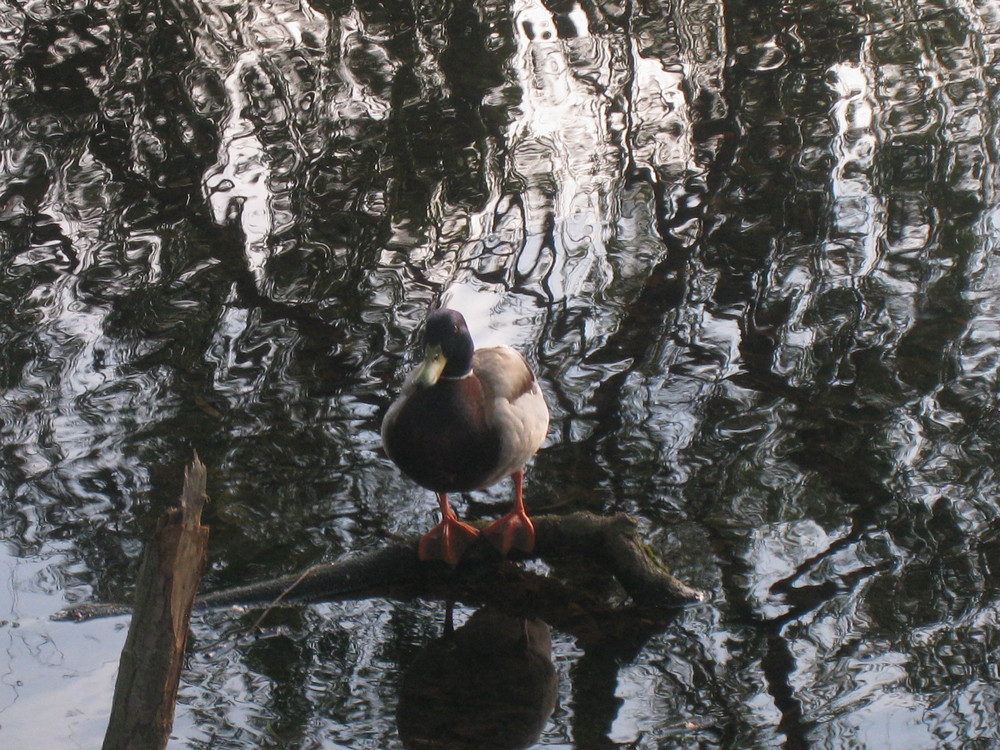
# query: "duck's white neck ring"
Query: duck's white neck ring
{"points": [[457, 377]]}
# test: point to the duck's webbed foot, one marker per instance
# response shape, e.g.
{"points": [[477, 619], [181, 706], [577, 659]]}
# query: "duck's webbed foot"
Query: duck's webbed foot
{"points": [[512, 531], [449, 539]]}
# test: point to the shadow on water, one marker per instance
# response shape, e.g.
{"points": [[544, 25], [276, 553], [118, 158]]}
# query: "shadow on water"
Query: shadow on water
{"points": [[750, 249]]}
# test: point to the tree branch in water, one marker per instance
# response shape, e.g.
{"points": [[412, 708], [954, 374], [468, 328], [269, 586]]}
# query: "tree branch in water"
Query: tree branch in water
{"points": [[611, 544]]}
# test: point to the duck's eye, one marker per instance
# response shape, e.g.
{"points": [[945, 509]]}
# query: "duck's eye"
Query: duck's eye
{"points": [[454, 329]]}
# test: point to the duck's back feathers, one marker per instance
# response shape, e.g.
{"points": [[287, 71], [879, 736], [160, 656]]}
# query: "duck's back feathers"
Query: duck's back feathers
{"points": [[503, 372]]}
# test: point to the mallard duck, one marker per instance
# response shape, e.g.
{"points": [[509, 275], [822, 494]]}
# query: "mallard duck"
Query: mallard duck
{"points": [[465, 419]]}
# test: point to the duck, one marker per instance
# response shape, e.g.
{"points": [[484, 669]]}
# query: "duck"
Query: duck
{"points": [[464, 420]]}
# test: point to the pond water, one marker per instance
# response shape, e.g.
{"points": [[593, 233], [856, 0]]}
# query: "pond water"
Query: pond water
{"points": [[751, 249]]}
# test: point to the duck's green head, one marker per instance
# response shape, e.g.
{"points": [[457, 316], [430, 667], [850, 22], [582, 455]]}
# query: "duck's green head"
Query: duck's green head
{"points": [[448, 348]]}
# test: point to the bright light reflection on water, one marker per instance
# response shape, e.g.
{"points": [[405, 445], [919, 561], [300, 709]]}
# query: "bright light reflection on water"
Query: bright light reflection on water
{"points": [[750, 250]]}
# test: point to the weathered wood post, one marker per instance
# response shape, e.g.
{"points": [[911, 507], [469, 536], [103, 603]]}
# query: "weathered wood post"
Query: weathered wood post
{"points": [[142, 713]]}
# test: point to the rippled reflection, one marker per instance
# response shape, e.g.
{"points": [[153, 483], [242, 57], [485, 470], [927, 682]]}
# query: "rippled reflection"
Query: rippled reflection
{"points": [[488, 684], [749, 247]]}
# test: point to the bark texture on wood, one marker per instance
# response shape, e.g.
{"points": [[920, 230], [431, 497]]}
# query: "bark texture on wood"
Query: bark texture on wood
{"points": [[142, 712]]}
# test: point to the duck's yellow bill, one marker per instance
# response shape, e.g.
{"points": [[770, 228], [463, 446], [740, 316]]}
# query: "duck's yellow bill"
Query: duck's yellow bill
{"points": [[431, 368]]}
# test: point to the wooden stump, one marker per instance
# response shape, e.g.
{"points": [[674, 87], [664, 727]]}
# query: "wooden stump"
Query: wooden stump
{"points": [[142, 713]]}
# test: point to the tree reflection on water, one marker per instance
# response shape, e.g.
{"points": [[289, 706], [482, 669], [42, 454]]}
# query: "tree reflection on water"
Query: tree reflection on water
{"points": [[749, 247]]}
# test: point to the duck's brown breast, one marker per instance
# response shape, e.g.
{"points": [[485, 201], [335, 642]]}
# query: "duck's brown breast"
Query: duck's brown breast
{"points": [[441, 436]]}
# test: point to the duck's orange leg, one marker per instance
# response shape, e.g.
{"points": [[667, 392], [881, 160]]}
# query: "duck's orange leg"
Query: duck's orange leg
{"points": [[449, 539], [514, 530]]}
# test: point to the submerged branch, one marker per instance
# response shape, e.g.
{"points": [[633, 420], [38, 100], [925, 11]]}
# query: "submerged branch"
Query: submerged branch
{"points": [[612, 544], [395, 571]]}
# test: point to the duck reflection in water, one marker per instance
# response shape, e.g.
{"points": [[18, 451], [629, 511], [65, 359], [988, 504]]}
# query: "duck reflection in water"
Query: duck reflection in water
{"points": [[489, 685]]}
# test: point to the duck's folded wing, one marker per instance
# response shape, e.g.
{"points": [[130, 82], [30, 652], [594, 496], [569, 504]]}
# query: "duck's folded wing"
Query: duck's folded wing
{"points": [[514, 403]]}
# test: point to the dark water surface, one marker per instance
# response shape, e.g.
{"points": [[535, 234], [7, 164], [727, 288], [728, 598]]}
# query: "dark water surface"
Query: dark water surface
{"points": [[750, 247]]}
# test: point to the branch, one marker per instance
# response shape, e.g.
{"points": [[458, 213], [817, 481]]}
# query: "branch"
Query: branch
{"points": [[611, 544]]}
